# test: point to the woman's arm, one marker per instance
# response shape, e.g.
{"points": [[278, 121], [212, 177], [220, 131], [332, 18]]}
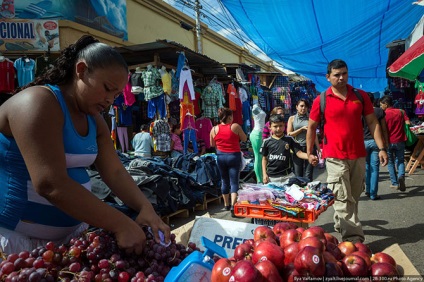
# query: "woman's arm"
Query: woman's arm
{"points": [[236, 128], [291, 131]]}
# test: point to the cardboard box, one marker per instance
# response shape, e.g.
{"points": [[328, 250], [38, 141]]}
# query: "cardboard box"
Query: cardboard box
{"points": [[229, 234]]}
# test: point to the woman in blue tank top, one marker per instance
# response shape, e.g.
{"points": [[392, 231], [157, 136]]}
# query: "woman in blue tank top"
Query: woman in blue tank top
{"points": [[50, 131]]}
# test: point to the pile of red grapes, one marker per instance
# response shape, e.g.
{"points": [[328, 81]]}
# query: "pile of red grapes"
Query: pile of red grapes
{"points": [[94, 256]]}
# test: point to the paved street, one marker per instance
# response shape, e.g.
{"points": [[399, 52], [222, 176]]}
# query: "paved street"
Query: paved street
{"points": [[396, 218]]}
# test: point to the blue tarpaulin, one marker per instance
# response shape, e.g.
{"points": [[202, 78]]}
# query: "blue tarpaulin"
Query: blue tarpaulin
{"points": [[305, 35]]}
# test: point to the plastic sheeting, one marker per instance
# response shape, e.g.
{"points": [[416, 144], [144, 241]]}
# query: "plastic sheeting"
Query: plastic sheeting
{"points": [[305, 35]]}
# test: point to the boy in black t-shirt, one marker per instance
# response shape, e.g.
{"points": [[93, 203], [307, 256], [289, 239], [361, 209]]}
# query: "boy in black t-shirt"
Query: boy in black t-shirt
{"points": [[277, 160]]}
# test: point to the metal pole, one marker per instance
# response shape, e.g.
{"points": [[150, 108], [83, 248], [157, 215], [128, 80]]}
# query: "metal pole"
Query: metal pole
{"points": [[198, 30]]}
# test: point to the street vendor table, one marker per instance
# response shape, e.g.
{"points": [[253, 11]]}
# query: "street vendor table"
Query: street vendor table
{"points": [[416, 156]]}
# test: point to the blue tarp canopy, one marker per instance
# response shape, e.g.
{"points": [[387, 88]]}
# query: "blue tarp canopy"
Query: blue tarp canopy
{"points": [[305, 35]]}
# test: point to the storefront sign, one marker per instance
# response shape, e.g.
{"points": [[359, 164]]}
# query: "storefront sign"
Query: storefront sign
{"points": [[29, 35]]}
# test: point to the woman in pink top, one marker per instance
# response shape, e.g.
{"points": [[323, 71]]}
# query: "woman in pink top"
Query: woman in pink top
{"points": [[226, 137]]}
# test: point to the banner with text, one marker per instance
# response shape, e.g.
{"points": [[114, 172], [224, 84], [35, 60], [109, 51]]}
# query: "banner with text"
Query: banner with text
{"points": [[29, 35]]}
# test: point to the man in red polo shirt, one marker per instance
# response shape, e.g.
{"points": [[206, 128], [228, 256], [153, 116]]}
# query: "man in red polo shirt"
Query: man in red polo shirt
{"points": [[344, 149]]}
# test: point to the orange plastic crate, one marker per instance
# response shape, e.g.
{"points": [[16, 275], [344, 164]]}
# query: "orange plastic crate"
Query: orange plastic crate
{"points": [[268, 212]]}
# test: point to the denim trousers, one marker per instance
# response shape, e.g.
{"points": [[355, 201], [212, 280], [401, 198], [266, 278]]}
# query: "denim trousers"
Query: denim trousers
{"points": [[372, 168], [396, 162], [229, 168]]}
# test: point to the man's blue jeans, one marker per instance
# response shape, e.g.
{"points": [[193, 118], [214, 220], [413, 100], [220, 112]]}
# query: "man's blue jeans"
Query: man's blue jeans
{"points": [[396, 162], [372, 168]]}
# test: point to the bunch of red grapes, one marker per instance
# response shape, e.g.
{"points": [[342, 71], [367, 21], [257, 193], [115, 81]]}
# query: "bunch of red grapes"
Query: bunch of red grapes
{"points": [[94, 256]]}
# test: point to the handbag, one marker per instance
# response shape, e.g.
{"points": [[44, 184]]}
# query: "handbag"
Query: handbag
{"points": [[411, 138]]}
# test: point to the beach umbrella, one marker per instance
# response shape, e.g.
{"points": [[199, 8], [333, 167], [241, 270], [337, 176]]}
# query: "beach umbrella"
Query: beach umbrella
{"points": [[411, 63]]}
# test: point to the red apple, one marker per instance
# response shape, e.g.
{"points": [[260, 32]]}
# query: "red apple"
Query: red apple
{"points": [[243, 251], [290, 252], [269, 271], [334, 271], [289, 236], [262, 232], [353, 265], [245, 271], [300, 229], [222, 269], [365, 256], [281, 227], [328, 257], [383, 269], [383, 257], [289, 273], [310, 261], [334, 250], [313, 242], [315, 231], [267, 239], [250, 242], [269, 251], [331, 238], [364, 248], [346, 248]]}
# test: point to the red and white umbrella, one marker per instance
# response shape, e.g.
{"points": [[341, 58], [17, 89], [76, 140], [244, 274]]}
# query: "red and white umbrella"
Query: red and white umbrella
{"points": [[411, 63]]}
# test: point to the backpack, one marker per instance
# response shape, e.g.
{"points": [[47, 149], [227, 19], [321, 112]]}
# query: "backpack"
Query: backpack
{"points": [[322, 102]]}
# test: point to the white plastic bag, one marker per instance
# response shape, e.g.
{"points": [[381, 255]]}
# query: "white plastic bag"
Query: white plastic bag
{"points": [[243, 162]]}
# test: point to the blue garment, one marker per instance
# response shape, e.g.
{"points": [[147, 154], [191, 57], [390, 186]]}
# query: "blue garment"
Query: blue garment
{"points": [[157, 104], [180, 64], [396, 155], [246, 116], [190, 135], [21, 208], [124, 112], [372, 168], [25, 69], [229, 168]]}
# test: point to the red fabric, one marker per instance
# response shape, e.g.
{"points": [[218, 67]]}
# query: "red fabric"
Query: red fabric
{"points": [[237, 114], [343, 124], [226, 140], [395, 125], [7, 76], [232, 95]]}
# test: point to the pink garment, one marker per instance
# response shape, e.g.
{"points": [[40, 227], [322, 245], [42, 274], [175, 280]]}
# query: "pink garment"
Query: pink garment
{"points": [[129, 97], [178, 146], [188, 122], [204, 127]]}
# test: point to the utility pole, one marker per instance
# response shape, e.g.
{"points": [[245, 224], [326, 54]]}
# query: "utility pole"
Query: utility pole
{"points": [[197, 8]]}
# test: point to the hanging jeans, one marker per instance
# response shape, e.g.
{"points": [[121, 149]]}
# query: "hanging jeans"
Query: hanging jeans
{"points": [[229, 167], [123, 138], [190, 135], [157, 104], [396, 162]]}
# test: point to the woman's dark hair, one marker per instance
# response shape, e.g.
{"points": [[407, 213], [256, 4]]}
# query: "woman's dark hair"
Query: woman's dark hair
{"points": [[144, 127], [386, 99], [224, 113], [175, 126], [336, 64], [304, 101], [87, 48], [275, 119]]}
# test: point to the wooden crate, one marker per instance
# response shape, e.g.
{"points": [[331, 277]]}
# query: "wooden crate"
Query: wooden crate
{"points": [[206, 200], [178, 213]]}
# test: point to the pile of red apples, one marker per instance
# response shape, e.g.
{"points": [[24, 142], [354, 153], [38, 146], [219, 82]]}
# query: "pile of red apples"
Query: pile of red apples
{"points": [[287, 252]]}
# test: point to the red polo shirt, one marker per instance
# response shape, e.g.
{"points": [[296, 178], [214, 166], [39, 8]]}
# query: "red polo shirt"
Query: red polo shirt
{"points": [[343, 124], [395, 123]]}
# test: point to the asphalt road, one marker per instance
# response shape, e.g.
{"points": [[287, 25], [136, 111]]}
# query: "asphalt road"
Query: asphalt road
{"points": [[397, 218]]}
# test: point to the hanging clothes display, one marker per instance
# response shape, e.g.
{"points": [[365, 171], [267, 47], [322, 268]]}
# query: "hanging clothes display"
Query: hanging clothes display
{"points": [[43, 64], [162, 135], [7, 75], [25, 68], [204, 127], [212, 99], [419, 98]]}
